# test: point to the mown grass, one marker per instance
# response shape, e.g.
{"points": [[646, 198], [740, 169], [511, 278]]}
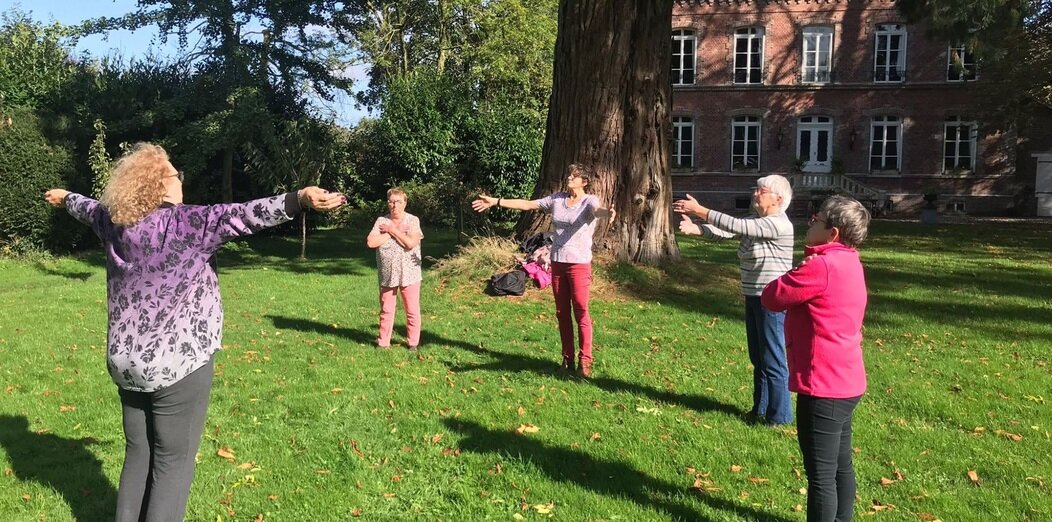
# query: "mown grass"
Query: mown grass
{"points": [[324, 427]]}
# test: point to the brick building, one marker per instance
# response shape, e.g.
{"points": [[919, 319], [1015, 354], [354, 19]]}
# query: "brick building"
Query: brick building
{"points": [[839, 95]]}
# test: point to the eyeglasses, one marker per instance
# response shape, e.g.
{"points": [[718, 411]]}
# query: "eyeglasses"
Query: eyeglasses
{"points": [[762, 190], [815, 218], [178, 175]]}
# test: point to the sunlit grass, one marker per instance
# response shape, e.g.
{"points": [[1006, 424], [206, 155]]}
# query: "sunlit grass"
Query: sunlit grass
{"points": [[324, 427]]}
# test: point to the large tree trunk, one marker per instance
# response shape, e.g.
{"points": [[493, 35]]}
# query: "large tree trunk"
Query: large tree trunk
{"points": [[610, 109]]}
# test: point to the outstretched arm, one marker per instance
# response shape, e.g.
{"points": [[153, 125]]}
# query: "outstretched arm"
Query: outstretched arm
{"points": [[82, 208], [484, 202], [221, 223]]}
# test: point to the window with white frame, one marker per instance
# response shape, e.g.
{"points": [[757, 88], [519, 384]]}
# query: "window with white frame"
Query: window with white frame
{"points": [[748, 55], [684, 45], [745, 142], [885, 145], [889, 57], [817, 60], [960, 64], [682, 142], [959, 144]]}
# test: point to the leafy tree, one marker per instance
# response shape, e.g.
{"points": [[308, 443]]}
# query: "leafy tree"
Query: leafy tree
{"points": [[253, 50], [1013, 38], [34, 59], [296, 154]]}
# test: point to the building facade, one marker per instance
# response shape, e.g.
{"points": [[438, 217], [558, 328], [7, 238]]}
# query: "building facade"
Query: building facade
{"points": [[840, 96]]}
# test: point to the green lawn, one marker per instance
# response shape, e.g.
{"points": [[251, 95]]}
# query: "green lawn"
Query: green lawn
{"points": [[321, 426]]}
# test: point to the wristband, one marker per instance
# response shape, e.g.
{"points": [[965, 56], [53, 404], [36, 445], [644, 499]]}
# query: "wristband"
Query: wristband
{"points": [[498, 202]]}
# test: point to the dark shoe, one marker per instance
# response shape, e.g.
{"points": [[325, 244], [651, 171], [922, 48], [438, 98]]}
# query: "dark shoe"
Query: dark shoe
{"points": [[753, 419], [567, 366], [414, 348]]}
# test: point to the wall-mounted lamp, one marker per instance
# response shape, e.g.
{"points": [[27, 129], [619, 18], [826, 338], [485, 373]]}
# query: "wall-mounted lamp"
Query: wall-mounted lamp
{"points": [[851, 138], [778, 138]]}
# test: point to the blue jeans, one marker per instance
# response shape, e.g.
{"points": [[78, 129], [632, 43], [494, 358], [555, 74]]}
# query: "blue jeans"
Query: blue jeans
{"points": [[770, 375], [824, 430]]}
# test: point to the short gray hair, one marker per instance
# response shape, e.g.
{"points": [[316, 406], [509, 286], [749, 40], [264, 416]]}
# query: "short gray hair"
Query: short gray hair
{"points": [[778, 186], [849, 216]]}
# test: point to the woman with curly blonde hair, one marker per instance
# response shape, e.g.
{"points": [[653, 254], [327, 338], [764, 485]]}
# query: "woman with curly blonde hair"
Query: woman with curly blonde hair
{"points": [[165, 314]]}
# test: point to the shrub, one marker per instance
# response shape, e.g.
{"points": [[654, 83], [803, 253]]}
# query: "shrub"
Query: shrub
{"points": [[29, 165]]}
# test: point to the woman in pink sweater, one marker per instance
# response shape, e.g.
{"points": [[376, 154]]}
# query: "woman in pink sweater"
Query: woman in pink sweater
{"points": [[825, 300]]}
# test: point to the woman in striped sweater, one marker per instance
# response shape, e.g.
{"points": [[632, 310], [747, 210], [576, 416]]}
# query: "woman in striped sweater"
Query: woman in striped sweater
{"points": [[765, 251]]}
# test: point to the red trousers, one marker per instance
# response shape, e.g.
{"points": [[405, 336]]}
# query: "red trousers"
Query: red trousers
{"points": [[571, 283]]}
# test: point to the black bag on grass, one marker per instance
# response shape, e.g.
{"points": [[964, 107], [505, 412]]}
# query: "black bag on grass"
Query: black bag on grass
{"points": [[508, 283]]}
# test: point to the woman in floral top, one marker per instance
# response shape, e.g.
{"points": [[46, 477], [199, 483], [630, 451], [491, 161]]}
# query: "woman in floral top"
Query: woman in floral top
{"points": [[165, 313], [396, 238]]}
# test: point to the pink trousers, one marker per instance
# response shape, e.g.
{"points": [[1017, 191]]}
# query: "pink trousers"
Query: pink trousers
{"points": [[571, 283], [411, 303]]}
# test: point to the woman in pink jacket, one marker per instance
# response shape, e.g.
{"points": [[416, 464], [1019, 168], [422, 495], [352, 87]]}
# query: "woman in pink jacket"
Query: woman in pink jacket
{"points": [[825, 300]]}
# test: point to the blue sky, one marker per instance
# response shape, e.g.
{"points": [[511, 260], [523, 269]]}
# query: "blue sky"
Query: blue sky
{"points": [[138, 43]]}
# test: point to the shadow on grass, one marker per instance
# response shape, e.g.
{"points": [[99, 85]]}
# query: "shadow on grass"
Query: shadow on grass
{"points": [[507, 362], [705, 287], [64, 465], [329, 252], [45, 269], [503, 362], [603, 477]]}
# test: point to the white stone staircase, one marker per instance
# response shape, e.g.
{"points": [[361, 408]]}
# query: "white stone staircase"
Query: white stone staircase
{"points": [[810, 182]]}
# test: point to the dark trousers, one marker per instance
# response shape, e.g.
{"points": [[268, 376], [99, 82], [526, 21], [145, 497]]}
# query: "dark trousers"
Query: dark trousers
{"points": [[162, 431], [571, 284], [765, 333], [824, 427]]}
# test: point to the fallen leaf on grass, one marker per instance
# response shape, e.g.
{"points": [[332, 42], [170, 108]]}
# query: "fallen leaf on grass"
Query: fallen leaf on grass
{"points": [[272, 497], [67, 408], [596, 436], [736, 468], [27, 497], [521, 411], [526, 428], [226, 453], [880, 506], [884, 481], [389, 495], [928, 517], [322, 471], [544, 509], [973, 476], [354, 446], [357, 512], [396, 478], [438, 437], [758, 480], [798, 508], [259, 518], [1011, 436]]}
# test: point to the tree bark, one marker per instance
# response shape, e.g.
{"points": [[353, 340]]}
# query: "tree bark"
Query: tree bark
{"points": [[610, 110]]}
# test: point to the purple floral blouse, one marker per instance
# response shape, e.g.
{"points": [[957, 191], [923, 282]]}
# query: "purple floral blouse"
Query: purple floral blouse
{"points": [[165, 313]]}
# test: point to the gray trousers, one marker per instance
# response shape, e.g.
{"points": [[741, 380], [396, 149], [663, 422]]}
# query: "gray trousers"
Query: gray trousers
{"points": [[162, 432]]}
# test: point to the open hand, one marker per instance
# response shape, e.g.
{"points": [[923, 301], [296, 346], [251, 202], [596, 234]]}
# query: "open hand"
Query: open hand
{"points": [[689, 227], [483, 203], [56, 197], [686, 206], [320, 199]]}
